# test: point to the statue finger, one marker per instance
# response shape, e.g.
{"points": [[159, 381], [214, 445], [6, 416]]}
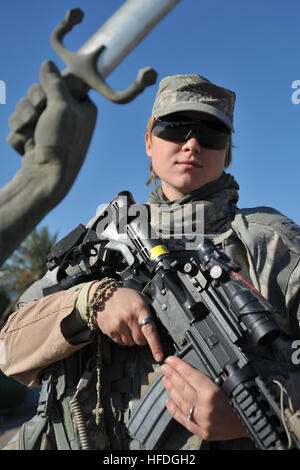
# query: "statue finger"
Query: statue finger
{"points": [[53, 83], [37, 96], [25, 114], [17, 142]]}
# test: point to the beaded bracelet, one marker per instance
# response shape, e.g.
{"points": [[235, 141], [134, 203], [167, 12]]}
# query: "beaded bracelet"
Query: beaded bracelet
{"points": [[92, 307]]}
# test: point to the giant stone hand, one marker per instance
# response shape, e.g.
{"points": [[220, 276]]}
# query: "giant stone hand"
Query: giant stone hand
{"points": [[52, 131]]}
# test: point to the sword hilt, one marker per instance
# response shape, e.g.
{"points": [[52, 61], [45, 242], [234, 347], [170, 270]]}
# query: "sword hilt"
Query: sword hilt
{"points": [[82, 73]]}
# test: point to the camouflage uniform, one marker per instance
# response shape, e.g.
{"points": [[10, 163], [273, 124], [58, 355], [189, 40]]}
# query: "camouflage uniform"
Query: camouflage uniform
{"points": [[179, 93], [265, 243]]}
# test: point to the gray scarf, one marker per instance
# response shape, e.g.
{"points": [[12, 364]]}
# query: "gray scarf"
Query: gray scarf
{"points": [[217, 198]]}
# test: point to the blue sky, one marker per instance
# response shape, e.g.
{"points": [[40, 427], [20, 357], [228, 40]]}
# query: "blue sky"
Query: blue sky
{"points": [[249, 47]]}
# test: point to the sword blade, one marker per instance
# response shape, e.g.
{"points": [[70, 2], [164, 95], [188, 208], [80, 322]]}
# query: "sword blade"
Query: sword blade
{"points": [[125, 29]]}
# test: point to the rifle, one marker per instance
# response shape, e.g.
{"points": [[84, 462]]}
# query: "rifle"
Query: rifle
{"points": [[214, 317]]}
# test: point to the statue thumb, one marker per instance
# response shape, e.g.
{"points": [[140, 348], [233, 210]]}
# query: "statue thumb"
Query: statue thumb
{"points": [[52, 82]]}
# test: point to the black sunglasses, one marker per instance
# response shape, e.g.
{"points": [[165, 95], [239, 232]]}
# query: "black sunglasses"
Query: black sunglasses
{"points": [[209, 134]]}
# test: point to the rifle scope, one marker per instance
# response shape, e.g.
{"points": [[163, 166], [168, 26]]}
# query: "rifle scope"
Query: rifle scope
{"points": [[248, 306]]}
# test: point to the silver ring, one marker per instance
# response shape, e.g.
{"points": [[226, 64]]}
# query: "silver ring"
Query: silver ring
{"points": [[145, 321], [190, 415]]}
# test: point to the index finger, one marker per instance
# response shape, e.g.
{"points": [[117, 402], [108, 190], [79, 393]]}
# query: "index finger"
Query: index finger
{"points": [[151, 334], [193, 376]]}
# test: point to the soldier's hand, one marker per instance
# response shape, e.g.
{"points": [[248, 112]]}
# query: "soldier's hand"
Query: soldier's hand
{"points": [[212, 418], [51, 128], [120, 315]]}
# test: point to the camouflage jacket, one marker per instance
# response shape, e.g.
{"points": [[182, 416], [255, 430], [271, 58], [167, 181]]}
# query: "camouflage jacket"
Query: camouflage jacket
{"points": [[266, 244]]}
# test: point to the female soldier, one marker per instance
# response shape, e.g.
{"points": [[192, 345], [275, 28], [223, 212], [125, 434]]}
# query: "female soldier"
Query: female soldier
{"points": [[189, 142]]}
